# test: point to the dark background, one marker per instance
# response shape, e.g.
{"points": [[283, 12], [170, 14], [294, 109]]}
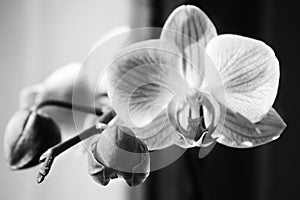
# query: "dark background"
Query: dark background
{"points": [[269, 172]]}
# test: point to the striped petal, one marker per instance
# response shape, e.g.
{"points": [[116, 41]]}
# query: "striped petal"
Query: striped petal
{"points": [[142, 80], [158, 134], [239, 132], [249, 70], [190, 30]]}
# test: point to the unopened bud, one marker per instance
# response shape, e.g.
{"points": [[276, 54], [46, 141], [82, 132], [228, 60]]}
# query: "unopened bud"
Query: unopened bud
{"points": [[27, 136], [118, 153]]}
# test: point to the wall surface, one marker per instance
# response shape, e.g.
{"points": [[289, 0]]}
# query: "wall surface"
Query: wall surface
{"points": [[37, 37]]}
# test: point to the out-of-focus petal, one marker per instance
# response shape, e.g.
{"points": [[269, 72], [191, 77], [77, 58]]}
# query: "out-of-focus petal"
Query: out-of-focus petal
{"points": [[109, 35], [59, 86], [239, 132], [142, 80], [100, 56], [249, 70], [190, 29], [27, 97]]}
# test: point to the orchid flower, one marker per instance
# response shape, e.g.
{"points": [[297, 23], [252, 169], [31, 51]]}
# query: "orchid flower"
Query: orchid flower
{"points": [[193, 88]]}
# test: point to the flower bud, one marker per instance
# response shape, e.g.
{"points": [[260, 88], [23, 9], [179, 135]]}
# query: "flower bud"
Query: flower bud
{"points": [[118, 153], [27, 136]]}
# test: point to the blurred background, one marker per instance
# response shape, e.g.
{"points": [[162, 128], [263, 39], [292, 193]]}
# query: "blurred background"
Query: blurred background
{"points": [[39, 36]]}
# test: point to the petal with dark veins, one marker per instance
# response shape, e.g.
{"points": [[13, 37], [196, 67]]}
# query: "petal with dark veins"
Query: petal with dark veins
{"points": [[190, 30], [143, 79], [249, 70]]}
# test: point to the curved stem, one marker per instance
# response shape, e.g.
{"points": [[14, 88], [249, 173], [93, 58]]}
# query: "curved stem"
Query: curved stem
{"points": [[48, 157], [70, 106]]}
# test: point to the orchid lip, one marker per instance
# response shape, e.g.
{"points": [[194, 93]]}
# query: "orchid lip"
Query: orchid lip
{"points": [[187, 117]]}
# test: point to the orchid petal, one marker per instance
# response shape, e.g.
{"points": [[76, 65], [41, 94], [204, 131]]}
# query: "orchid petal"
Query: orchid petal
{"points": [[110, 34], [249, 70], [239, 132], [189, 21], [99, 57], [142, 80], [158, 134], [27, 97], [190, 30], [59, 86], [62, 79]]}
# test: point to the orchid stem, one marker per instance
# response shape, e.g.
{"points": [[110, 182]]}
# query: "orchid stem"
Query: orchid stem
{"points": [[69, 105], [48, 157]]}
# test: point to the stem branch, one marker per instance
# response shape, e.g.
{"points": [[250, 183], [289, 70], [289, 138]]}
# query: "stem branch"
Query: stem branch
{"points": [[48, 157], [69, 105]]}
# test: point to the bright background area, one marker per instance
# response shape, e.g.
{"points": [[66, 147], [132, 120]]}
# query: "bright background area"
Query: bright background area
{"points": [[36, 37]]}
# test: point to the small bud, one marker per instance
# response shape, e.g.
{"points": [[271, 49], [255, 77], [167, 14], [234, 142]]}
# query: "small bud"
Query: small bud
{"points": [[118, 153], [27, 136]]}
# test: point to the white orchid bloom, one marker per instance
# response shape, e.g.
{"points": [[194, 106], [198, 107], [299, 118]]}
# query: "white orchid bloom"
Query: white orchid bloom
{"points": [[160, 87]]}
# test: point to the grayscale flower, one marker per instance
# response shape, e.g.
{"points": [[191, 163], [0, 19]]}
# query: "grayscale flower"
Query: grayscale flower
{"points": [[158, 87]]}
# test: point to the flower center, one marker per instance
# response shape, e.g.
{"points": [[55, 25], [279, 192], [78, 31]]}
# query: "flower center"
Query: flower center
{"points": [[194, 117]]}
